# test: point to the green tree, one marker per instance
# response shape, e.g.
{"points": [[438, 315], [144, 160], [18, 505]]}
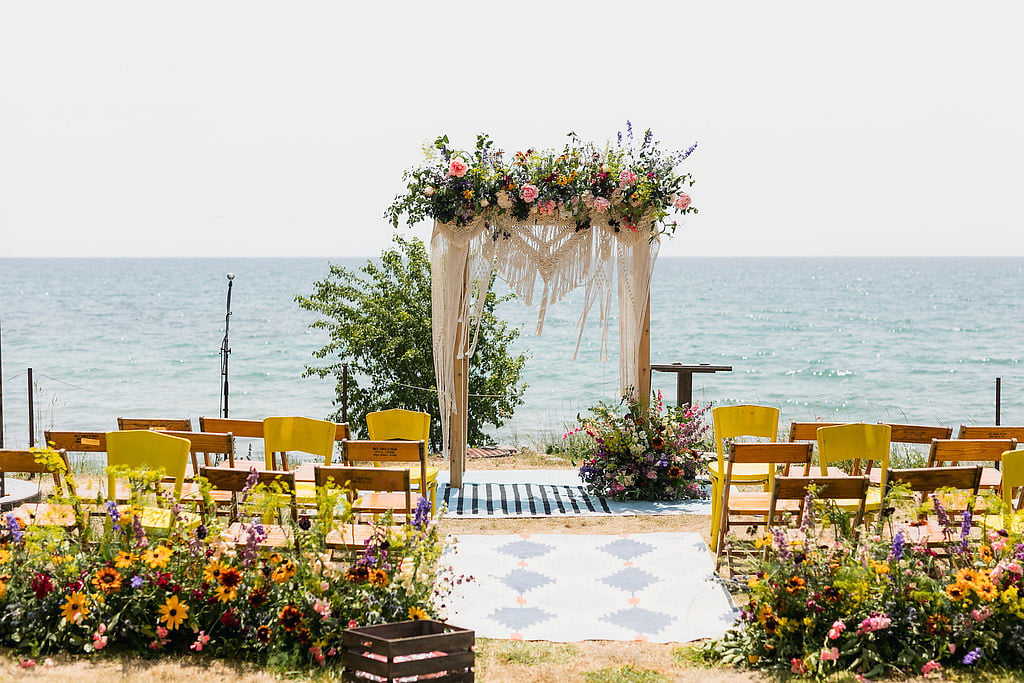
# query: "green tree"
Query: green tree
{"points": [[378, 319]]}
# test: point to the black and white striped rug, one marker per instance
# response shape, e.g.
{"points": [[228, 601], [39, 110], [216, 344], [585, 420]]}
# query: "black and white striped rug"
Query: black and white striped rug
{"points": [[521, 500]]}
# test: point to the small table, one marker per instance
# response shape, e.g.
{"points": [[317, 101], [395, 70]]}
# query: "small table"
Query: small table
{"points": [[684, 377]]}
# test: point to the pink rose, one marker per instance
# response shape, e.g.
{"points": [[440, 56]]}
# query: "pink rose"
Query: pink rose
{"points": [[682, 201], [546, 207], [626, 178], [830, 655], [601, 204], [528, 193], [458, 167], [931, 669]]}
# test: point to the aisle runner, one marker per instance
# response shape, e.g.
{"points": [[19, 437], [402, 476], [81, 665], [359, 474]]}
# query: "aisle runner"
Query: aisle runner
{"points": [[654, 587], [542, 493]]}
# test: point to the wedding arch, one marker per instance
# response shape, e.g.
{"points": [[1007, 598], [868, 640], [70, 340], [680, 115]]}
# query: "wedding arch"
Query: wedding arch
{"points": [[581, 217]]}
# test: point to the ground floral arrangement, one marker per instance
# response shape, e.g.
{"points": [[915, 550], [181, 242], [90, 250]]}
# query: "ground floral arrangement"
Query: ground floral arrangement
{"points": [[882, 604], [121, 589], [621, 184], [628, 455]]}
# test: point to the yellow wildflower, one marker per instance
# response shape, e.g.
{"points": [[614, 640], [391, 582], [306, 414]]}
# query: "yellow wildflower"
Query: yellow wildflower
{"points": [[124, 560], [75, 609], [157, 557], [416, 613], [173, 612]]}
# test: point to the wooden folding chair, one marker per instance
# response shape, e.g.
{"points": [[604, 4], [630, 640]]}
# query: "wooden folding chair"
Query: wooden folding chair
{"points": [[953, 451], [928, 480], [41, 514], [234, 480], [168, 425], [856, 443], [808, 431], [990, 432], [253, 429], [743, 505], [368, 482], [390, 453]]}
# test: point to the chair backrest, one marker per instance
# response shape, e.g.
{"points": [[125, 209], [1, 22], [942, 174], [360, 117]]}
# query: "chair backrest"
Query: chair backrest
{"points": [[827, 488], [168, 425], [1013, 478], [355, 479], [386, 452], [17, 461], [734, 421], [234, 480], [771, 453], [253, 429], [968, 450], [144, 448], [398, 424], [207, 443], [995, 432], [303, 434], [902, 433], [928, 479], [77, 442], [855, 441], [808, 431]]}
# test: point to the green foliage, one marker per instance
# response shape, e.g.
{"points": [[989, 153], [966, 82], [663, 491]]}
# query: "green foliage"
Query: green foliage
{"points": [[379, 322], [624, 674]]}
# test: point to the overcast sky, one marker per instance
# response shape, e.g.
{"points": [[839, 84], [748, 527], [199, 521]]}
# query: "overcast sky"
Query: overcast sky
{"points": [[282, 129]]}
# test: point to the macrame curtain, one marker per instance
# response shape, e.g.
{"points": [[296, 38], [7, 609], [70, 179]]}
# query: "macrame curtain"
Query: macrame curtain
{"points": [[557, 254]]}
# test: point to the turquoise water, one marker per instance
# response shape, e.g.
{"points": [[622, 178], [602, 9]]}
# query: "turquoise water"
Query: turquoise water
{"points": [[917, 340]]}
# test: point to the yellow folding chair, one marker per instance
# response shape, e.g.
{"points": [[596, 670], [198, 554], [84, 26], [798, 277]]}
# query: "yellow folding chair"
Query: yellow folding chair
{"points": [[731, 422], [397, 424], [42, 514], [856, 442], [143, 449], [302, 434], [1013, 480]]}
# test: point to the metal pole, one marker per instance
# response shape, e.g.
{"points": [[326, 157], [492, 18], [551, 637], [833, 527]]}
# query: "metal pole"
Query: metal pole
{"points": [[344, 393], [999, 397], [31, 414], [224, 351]]}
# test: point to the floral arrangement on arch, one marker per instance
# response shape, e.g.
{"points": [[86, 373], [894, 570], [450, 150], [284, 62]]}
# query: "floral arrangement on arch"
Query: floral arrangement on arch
{"points": [[621, 184], [190, 592], [632, 457], [879, 602]]}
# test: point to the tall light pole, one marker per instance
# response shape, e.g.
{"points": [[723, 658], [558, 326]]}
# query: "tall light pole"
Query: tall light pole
{"points": [[224, 351]]}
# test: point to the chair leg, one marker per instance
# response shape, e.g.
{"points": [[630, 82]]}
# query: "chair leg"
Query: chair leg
{"points": [[716, 510]]}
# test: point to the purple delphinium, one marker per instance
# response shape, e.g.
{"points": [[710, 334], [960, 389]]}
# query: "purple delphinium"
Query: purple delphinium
{"points": [[421, 515], [898, 543], [115, 516], [250, 481], [972, 656], [807, 519], [141, 541], [965, 529], [942, 516], [781, 544], [14, 528], [254, 535]]}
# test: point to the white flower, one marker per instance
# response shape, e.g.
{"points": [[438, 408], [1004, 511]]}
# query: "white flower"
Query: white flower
{"points": [[503, 200], [428, 191]]}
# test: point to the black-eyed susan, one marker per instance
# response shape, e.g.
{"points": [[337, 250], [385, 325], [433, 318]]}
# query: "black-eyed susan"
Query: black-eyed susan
{"points": [[157, 556], [125, 559], [107, 580], [274, 559], [379, 578], [284, 572], [415, 613], [357, 574], [290, 617], [226, 593], [212, 571], [263, 634], [75, 608], [230, 577], [173, 613]]}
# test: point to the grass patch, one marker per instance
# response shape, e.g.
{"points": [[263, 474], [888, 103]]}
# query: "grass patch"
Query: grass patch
{"points": [[692, 656], [525, 653], [624, 674]]}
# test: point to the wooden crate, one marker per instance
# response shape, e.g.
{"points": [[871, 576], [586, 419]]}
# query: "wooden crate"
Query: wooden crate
{"points": [[430, 650]]}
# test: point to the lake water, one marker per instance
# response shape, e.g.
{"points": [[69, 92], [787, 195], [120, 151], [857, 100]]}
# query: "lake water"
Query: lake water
{"points": [[917, 340]]}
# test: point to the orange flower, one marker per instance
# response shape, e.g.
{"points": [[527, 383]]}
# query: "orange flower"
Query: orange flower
{"points": [[225, 593], [74, 609], [283, 572], [124, 560], [379, 578], [230, 577], [157, 556], [290, 617], [415, 613], [107, 580], [213, 570]]}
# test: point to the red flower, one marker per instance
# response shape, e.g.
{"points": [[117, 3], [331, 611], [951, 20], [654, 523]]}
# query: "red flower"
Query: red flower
{"points": [[42, 586]]}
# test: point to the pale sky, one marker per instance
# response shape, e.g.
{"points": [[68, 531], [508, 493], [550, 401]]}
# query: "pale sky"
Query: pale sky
{"points": [[282, 129]]}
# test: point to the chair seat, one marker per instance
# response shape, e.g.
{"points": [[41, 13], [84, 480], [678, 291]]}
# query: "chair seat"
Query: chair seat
{"points": [[740, 471], [380, 502], [277, 536], [758, 503], [159, 519], [45, 514], [999, 522], [349, 537]]}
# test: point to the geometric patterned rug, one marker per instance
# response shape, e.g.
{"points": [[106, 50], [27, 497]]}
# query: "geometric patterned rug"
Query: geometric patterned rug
{"points": [[561, 587]]}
